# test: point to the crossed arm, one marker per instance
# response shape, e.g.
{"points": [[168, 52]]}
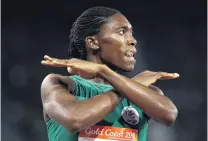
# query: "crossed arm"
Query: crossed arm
{"points": [[75, 115]]}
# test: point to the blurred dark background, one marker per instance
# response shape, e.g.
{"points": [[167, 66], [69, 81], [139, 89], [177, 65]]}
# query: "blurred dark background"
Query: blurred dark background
{"points": [[172, 37]]}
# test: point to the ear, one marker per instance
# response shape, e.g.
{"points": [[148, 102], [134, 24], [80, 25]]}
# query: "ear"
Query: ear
{"points": [[92, 43]]}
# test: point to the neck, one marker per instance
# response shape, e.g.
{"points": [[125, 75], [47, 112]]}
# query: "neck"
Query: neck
{"points": [[93, 58], [99, 60]]}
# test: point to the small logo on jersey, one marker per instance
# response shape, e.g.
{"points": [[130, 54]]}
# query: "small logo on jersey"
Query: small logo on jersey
{"points": [[130, 115]]}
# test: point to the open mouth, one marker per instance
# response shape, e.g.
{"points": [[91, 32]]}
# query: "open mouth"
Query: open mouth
{"points": [[130, 54]]}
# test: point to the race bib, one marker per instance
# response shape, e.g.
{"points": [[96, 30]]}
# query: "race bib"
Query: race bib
{"points": [[105, 133]]}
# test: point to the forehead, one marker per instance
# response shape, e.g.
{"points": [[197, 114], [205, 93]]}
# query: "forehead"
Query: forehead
{"points": [[116, 21]]}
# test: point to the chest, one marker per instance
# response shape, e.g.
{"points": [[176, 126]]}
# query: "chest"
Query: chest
{"points": [[125, 115]]}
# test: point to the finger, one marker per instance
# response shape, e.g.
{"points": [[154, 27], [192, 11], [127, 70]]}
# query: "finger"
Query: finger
{"points": [[176, 75], [48, 58], [46, 62], [51, 64], [61, 62], [165, 76], [67, 63], [147, 72], [71, 70], [52, 59]]}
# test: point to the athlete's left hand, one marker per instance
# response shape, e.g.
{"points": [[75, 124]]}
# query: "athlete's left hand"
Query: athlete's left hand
{"points": [[148, 78]]}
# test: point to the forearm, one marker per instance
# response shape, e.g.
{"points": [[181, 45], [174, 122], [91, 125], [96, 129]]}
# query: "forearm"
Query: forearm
{"points": [[153, 104], [74, 114], [91, 111], [79, 114]]}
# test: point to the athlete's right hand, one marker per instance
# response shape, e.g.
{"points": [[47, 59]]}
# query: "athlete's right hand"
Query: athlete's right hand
{"points": [[75, 66]]}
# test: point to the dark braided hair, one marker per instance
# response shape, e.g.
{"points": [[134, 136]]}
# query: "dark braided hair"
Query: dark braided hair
{"points": [[87, 24]]}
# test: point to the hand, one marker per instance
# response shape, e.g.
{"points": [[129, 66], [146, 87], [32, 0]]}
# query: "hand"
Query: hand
{"points": [[156, 89], [74, 66], [147, 78]]}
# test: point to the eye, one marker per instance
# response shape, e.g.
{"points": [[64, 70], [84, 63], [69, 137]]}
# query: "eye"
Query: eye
{"points": [[121, 32]]}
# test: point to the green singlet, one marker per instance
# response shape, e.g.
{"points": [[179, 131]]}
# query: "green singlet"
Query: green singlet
{"points": [[121, 118]]}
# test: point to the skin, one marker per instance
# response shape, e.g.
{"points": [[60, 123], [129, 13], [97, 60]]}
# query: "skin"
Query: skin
{"points": [[110, 45]]}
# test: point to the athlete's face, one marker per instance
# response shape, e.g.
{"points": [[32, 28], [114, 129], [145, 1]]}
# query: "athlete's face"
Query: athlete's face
{"points": [[116, 43]]}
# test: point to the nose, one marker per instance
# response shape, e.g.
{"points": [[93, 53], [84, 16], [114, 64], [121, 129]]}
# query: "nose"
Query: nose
{"points": [[132, 41]]}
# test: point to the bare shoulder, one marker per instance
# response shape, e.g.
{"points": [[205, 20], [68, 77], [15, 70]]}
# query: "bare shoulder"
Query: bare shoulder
{"points": [[53, 85], [56, 78], [52, 80]]}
